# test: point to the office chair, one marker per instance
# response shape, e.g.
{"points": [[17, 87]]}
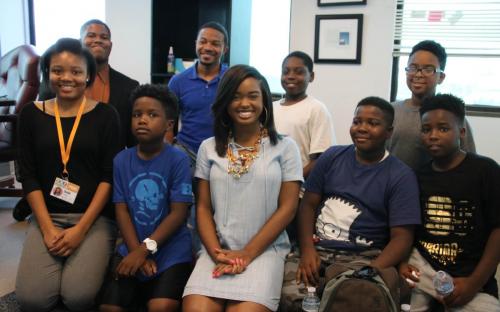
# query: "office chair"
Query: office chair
{"points": [[19, 84]]}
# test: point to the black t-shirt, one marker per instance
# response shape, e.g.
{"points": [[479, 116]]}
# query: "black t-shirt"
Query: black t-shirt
{"points": [[96, 142], [460, 209]]}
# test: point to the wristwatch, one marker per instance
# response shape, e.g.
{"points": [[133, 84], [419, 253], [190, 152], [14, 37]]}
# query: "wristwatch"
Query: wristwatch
{"points": [[151, 245]]}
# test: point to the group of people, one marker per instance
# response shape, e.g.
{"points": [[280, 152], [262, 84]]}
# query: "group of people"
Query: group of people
{"points": [[385, 201]]}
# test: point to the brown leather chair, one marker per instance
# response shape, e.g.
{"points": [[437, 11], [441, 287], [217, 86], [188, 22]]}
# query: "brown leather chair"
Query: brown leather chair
{"points": [[19, 84]]}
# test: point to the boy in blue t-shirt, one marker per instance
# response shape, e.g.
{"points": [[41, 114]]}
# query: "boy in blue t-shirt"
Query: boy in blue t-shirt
{"points": [[152, 193], [460, 200], [360, 206]]}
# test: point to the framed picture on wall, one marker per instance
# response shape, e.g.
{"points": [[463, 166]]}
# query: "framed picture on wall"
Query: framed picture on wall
{"points": [[338, 38], [340, 2]]}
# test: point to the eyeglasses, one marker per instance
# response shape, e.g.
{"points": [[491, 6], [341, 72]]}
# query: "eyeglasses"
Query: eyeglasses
{"points": [[425, 70]]}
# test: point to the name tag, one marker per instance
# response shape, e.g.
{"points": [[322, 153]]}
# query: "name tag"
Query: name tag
{"points": [[64, 190]]}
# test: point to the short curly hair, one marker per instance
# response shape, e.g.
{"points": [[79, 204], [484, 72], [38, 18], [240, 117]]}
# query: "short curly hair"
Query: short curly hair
{"points": [[161, 93], [306, 59], [382, 104], [434, 48], [448, 102]]}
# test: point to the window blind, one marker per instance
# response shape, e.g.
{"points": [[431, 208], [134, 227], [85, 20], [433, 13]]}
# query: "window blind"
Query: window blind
{"points": [[464, 27]]}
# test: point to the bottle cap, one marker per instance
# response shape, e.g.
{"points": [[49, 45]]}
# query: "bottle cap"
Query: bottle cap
{"points": [[311, 289], [405, 307]]}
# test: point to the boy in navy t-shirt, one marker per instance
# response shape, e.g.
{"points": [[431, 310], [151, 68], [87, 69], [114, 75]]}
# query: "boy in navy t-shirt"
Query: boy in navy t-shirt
{"points": [[360, 206], [152, 193], [460, 200]]}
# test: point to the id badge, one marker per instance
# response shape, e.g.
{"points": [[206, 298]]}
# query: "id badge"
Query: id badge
{"points": [[64, 190]]}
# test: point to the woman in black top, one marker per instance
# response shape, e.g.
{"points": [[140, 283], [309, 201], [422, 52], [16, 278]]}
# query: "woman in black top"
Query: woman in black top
{"points": [[67, 148]]}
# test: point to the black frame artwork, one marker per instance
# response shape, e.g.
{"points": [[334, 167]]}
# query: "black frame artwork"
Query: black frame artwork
{"points": [[338, 38], [340, 2]]}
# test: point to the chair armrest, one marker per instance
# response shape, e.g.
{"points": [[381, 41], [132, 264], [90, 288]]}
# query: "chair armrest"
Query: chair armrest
{"points": [[8, 118], [7, 102]]}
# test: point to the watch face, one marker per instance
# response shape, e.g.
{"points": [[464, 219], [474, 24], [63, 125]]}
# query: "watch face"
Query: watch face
{"points": [[150, 245]]}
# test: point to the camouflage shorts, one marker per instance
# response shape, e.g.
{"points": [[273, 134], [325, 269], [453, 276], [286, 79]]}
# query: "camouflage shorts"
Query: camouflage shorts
{"points": [[293, 293]]}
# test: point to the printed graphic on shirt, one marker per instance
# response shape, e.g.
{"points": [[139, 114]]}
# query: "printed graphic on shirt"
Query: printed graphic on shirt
{"points": [[186, 189], [335, 220], [148, 191], [443, 217]]}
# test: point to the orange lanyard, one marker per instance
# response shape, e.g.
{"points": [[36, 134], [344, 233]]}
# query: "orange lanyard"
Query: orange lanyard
{"points": [[65, 151]]}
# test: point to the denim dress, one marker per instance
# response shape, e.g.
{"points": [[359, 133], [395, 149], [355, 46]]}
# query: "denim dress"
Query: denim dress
{"points": [[241, 208]]}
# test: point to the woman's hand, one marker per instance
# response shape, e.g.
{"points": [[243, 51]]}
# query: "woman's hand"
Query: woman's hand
{"points": [[233, 257], [67, 241], [230, 262], [230, 269], [50, 237], [132, 262]]}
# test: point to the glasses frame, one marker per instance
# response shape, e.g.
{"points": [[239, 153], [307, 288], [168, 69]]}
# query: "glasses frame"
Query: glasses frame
{"points": [[409, 70]]}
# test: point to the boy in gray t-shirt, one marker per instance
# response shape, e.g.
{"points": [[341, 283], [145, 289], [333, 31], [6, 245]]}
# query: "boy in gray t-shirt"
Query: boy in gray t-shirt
{"points": [[425, 70]]}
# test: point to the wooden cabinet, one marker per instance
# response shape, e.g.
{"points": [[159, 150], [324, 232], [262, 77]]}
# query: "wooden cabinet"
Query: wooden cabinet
{"points": [[175, 23]]}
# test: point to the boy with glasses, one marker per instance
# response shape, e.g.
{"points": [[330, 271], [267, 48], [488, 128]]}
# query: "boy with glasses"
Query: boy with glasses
{"points": [[425, 70]]}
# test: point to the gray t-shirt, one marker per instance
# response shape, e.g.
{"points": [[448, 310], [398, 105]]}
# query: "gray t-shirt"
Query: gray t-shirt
{"points": [[406, 143]]}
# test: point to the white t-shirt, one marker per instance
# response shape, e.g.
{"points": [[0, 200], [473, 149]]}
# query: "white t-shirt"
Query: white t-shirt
{"points": [[308, 122]]}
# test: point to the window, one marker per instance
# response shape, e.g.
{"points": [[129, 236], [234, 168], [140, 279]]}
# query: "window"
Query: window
{"points": [[470, 32], [270, 45], [55, 19], [260, 36]]}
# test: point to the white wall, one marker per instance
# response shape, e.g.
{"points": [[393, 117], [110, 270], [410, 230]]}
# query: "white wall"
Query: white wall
{"points": [[485, 131], [340, 87], [130, 24]]}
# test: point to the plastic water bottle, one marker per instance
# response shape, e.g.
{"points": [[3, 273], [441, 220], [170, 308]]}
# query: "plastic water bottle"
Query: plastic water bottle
{"points": [[311, 301], [443, 283], [170, 60]]}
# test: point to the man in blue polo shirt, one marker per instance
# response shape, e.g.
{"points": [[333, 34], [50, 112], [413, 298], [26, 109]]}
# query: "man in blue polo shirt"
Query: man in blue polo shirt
{"points": [[196, 87]]}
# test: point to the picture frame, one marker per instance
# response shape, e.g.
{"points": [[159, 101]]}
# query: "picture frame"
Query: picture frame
{"points": [[340, 2], [338, 38]]}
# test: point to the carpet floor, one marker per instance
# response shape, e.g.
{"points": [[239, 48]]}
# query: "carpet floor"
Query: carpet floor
{"points": [[8, 303]]}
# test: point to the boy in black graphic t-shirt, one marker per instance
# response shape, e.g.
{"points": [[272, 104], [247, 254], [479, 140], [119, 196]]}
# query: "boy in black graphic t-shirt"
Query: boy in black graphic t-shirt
{"points": [[460, 199]]}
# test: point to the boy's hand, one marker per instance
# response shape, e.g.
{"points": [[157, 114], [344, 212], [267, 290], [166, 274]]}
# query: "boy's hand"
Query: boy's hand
{"points": [[308, 271], [149, 268], [132, 262], [463, 292], [410, 273]]}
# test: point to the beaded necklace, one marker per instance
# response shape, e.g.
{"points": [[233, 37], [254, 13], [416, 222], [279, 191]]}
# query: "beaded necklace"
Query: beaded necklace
{"points": [[240, 164]]}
